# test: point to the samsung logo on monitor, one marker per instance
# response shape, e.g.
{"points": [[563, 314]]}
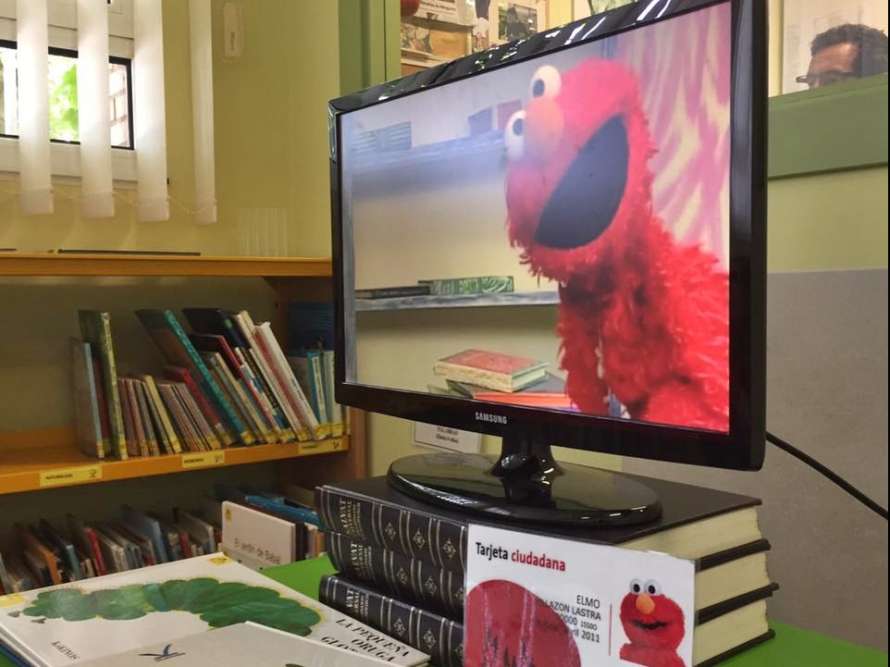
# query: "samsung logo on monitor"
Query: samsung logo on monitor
{"points": [[488, 417]]}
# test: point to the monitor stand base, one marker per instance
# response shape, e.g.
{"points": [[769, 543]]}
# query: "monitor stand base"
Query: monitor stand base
{"points": [[526, 484]]}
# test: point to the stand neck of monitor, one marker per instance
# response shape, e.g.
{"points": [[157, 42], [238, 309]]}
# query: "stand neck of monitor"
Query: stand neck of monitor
{"points": [[527, 469]]}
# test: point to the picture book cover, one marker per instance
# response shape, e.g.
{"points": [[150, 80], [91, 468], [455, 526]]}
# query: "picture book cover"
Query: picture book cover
{"points": [[269, 540], [101, 617], [238, 645]]}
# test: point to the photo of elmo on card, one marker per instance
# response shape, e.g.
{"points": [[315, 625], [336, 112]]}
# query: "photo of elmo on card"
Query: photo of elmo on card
{"points": [[593, 181]]}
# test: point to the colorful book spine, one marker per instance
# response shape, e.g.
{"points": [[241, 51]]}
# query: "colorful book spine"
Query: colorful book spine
{"points": [[96, 329], [335, 410], [435, 635], [167, 320], [163, 416], [183, 376], [407, 579], [439, 542], [317, 385]]}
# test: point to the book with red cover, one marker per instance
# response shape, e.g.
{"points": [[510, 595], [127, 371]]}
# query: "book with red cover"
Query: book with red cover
{"points": [[535, 400], [493, 370]]}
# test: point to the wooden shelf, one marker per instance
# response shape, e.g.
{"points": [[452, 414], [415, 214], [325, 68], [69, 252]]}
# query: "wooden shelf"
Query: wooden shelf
{"points": [[542, 298], [54, 264], [33, 467]]}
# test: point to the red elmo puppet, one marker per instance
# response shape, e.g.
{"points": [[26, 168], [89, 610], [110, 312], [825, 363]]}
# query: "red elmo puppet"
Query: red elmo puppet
{"points": [[640, 315], [654, 625]]}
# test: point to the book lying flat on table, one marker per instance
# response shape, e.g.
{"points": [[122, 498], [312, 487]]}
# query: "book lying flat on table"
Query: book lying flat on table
{"points": [[119, 613], [239, 645], [492, 370], [469, 286], [392, 292]]}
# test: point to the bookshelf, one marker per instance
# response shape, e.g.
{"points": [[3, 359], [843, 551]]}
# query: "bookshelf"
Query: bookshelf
{"points": [[48, 458]]}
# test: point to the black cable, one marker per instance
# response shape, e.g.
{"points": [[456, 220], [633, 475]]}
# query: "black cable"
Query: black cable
{"points": [[830, 474]]}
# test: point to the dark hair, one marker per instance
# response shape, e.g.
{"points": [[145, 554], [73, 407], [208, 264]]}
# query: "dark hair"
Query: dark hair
{"points": [[872, 43]]}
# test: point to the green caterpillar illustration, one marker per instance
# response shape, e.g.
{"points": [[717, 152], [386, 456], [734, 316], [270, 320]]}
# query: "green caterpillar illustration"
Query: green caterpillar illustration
{"points": [[217, 604]]}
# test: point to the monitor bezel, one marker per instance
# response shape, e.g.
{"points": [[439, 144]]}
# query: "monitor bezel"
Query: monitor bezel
{"points": [[742, 448]]}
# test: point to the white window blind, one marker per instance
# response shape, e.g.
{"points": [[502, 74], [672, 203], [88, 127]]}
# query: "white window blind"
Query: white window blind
{"points": [[32, 35], [97, 199], [202, 110], [149, 114]]}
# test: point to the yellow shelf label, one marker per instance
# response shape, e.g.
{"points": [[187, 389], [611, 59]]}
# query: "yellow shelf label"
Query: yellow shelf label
{"points": [[62, 476], [322, 446], [203, 459], [11, 600]]}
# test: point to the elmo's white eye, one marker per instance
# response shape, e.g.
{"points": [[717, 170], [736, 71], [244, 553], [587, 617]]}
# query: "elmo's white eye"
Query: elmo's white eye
{"points": [[636, 586], [546, 82], [514, 135], [652, 587]]}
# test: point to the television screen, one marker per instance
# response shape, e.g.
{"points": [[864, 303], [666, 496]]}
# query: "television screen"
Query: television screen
{"points": [[554, 233]]}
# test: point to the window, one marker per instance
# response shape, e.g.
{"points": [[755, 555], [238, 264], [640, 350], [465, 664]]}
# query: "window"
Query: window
{"points": [[62, 79]]}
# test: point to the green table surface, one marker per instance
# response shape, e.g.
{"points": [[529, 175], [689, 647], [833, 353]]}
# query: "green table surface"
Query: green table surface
{"points": [[791, 647]]}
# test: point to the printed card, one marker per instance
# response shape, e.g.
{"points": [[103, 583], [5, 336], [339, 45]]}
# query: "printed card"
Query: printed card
{"points": [[534, 600]]}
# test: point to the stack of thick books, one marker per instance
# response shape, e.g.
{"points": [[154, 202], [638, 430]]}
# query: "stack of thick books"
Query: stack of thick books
{"points": [[495, 377], [401, 563]]}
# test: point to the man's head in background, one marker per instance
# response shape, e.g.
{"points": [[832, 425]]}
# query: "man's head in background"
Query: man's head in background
{"points": [[845, 52]]}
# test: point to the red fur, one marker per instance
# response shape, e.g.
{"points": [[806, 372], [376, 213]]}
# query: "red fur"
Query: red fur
{"points": [[652, 647], [659, 311]]}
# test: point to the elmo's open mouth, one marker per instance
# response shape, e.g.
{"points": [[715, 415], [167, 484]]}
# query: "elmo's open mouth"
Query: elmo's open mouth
{"points": [[584, 203], [654, 625]]}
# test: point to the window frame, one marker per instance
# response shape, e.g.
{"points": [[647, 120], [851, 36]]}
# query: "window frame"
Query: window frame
{"points": [[65, 155], [112, 60]]}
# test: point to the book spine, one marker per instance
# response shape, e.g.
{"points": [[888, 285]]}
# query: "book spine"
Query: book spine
{"points": [[317, 386], [205, 379], [254, 375], [99, 324], [269, 376], [151, 437], [425, 631], [425, 537], [209, 412], [335, 410], [278, 362], [163, 415], [408, 579], [129, 420]]}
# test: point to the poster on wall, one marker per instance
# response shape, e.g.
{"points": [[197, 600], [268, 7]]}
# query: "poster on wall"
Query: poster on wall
{"points": [[535, 600], [805, 20], [509, 20]]}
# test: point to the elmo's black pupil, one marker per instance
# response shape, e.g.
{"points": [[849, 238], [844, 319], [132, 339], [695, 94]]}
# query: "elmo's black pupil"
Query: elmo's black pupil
{"points": [[517, 126], [652, 590], [636, 589], [538, 88]]}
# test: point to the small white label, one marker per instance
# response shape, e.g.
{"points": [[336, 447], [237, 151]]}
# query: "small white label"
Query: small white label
{"points": [[443, 437]]}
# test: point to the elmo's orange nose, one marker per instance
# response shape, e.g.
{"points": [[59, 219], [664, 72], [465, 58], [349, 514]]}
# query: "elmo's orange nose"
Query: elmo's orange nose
{"points": [[645, 604], [543, 127]]}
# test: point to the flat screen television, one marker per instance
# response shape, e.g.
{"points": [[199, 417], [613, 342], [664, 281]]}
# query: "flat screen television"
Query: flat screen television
{"points": [[561, 241]]}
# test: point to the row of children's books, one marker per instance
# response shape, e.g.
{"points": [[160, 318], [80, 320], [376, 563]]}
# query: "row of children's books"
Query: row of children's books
{"points": [[225, 382], [258, 528]]}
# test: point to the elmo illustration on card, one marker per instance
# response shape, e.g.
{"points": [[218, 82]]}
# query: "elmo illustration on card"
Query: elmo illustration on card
{"points": [[653, 623], [539, 601]]}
